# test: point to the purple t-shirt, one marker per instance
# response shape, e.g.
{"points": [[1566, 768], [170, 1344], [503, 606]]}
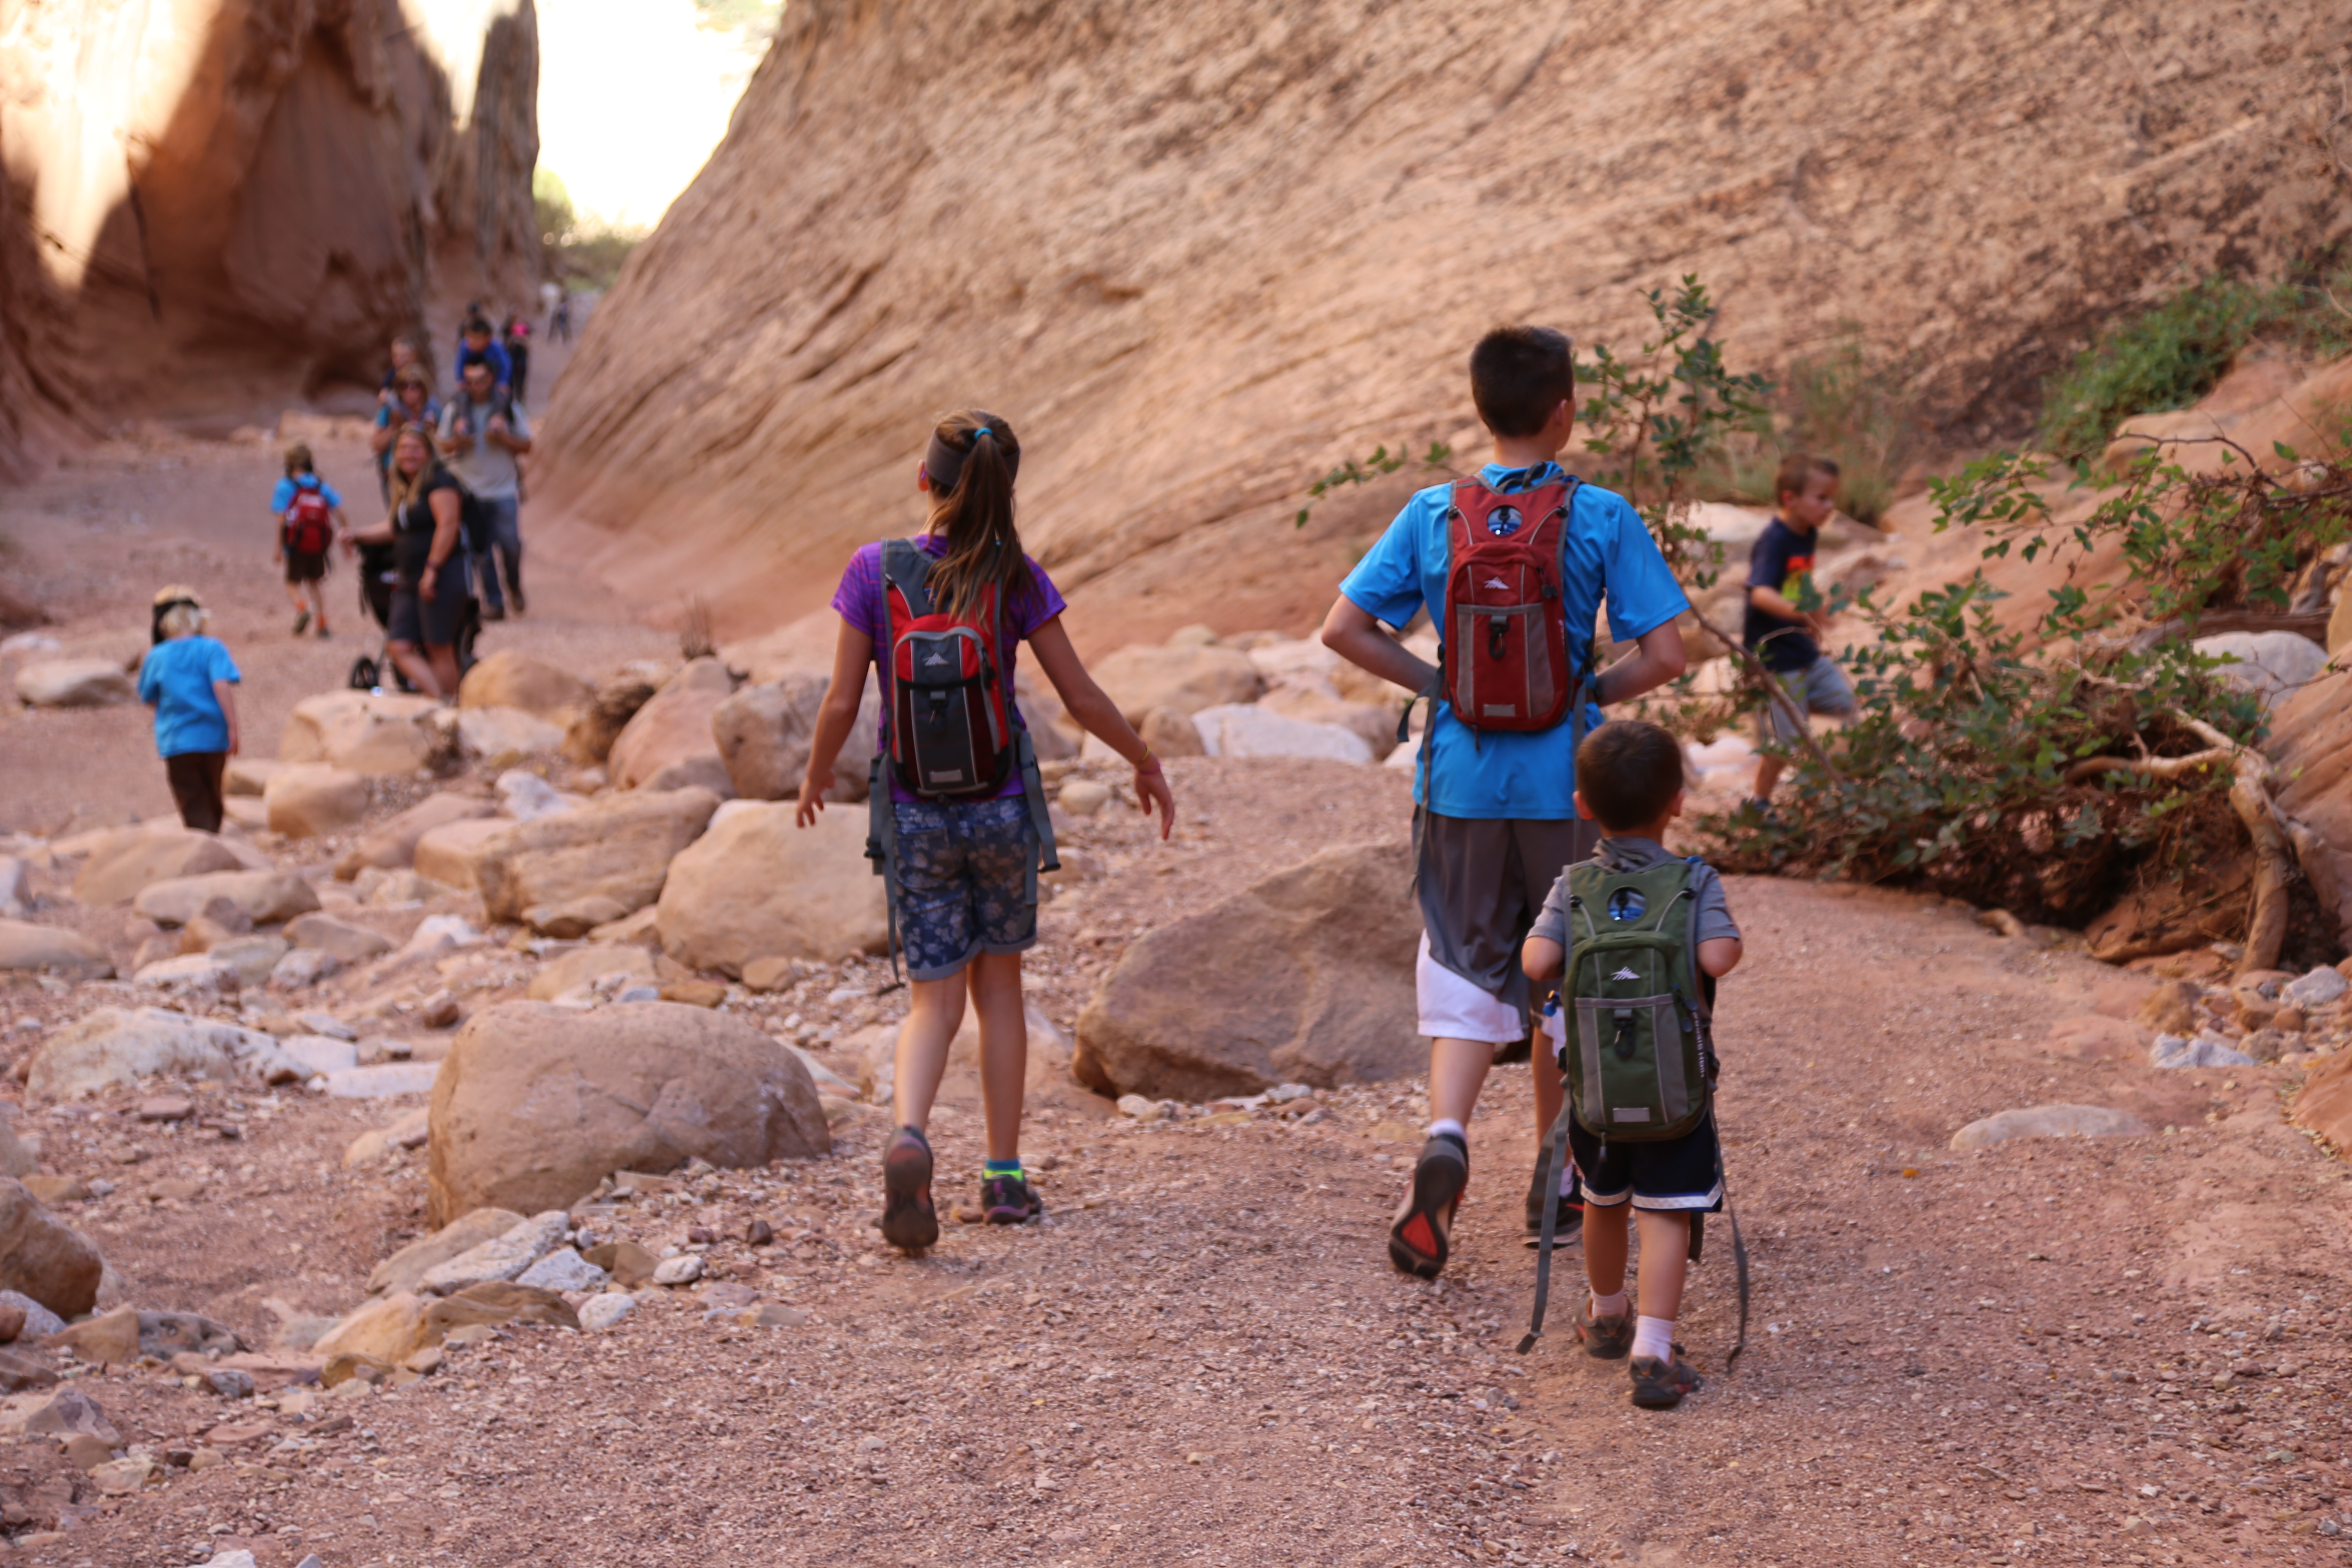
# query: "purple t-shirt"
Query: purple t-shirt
{"points": [[861, 601]]}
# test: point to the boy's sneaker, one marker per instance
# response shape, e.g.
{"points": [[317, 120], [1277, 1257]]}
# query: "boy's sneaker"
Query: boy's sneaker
{"points": [[910, 1223], [1570, 1222], [1661, 1384], [1606, 1338], [1009, 1200], [301, 622], [1417, 1241]]}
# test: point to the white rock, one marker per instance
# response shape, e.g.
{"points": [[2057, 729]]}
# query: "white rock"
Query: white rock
{"points": [[2049, 1121], [39, 1322], [435, 933], [187, 972], [563, 1269], [503, 1259], [1246, 729], [2204, 1051], [827, 1081], [239, 1559], [530, 797], [2274, 665], [2317, 989], [601, 1314], [503, 732], [303, 967], [683, 1269], [28, 642], [73, 683], [385, 1080], [321, 1053], [253, 958], [362, 731], [117, 1046], [15, 890], [326, 1024], [1142, 1109]]}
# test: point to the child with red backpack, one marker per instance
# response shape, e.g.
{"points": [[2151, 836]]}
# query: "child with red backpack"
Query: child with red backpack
{"points": [[309, 514], [1514, 563], [960, 825]]}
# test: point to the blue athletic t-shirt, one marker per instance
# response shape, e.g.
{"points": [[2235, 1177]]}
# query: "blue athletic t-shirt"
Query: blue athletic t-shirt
{"points": [[1529, 774], [283, 496], [176, 681]]}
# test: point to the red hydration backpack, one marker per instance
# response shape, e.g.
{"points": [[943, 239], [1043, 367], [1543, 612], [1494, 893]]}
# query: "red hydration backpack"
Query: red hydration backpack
{"points": [[951, 730], [310, 525], [1506, 659]]}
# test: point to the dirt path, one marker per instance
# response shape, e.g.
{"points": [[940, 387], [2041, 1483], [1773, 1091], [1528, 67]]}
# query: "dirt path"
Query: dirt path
{"points": [[2122, 1351]]}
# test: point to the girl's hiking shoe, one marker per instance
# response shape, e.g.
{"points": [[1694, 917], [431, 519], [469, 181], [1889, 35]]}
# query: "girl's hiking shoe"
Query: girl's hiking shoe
{"points": [[1608, 1339], [910, 1223], [1566, 1227], [1009, 1200], [301, 622], [1417, 1241], [1661, 1384]]}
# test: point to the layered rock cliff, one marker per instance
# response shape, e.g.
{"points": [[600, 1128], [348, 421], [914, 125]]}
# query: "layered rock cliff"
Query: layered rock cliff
{"points": [[1196, 253], [213, 205]]}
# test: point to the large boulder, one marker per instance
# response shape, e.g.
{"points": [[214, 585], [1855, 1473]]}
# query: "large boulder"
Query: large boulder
{"points": [[391, 846], [2325, 1106], [2049, 1121], [764, 733], [619, 847], [673, 727], [536, 1104], [73, 683], [1306, 977], [756, 886], [509, 679], [311, 800], [492, 732], [1247, 730], [446, 854], [1319, 701], [1185, 678], [123, 863], [589, 741], [115, 1046], [24, 945], [2310, 750], [263, 896], [362, 732], [2274, 666], [44, 1258]]}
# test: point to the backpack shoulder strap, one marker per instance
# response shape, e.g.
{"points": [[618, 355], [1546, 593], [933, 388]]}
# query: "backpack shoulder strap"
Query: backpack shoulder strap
{"points": [[907, 569]]}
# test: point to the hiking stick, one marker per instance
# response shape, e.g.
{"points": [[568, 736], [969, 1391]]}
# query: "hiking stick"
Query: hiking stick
{"points": [[1772, 690]]}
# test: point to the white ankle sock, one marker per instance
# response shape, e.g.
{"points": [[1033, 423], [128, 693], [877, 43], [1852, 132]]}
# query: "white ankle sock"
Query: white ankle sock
{"points": [[1609, 1305], [1448, 1126], [1654, 1337]]}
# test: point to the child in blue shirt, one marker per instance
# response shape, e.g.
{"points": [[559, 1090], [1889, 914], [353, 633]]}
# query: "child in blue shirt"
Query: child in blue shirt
{"points": [[1495, 817], [189, 680], [310, 515]]}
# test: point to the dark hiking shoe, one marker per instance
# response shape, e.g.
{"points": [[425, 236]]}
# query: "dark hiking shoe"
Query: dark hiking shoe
{"points": [[1418, 1240], [494, 612], [1661, 1384], [1605, 1339], [1009, 1200], [301, 622], [1566, 1227], [910, 1223], [322, 627], [514, 596]]}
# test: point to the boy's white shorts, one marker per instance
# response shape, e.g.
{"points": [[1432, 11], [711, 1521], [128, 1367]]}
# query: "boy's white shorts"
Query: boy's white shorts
{"points": [[1453, 1009]]}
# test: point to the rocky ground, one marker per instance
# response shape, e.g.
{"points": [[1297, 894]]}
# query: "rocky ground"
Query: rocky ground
{"points": [[2127, 1349]]}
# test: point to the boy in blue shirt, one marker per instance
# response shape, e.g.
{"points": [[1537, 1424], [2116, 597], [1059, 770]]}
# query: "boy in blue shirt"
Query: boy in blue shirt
{"points": [[309, 514], [189, 680], [1495, 814]]}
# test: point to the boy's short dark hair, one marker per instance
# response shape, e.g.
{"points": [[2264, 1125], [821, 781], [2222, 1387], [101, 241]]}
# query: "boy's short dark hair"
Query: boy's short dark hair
{"points": [[1797, 471], [1519, 375], [476, 325], [1628, 771]]}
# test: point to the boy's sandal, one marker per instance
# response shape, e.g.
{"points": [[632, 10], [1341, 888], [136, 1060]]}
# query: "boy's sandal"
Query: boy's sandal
{"points": [[1605, 1339], [1661, 1384], [908, 1223], [1418, 1240]]}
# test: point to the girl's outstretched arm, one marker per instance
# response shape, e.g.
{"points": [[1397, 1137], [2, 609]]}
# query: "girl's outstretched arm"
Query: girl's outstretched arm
{"points": [[852, 652], [1100, 716]]}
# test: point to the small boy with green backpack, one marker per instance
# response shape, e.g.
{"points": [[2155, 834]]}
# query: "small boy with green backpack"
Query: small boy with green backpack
{"points": [[1644, 935]]}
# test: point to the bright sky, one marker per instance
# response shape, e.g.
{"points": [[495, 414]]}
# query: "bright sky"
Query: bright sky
{"points": [[632, 98]]}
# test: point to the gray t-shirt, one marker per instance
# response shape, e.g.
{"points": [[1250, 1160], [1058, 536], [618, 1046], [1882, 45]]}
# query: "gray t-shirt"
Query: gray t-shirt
{"points": [[1632, 854], [484, 468]]}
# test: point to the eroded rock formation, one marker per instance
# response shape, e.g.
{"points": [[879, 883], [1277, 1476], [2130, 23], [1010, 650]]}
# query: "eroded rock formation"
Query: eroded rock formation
{"points": [[217, 204], [1196, 253]]}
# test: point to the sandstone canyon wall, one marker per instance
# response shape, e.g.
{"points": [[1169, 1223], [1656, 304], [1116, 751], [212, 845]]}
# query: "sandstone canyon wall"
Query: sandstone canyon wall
{"points": [[217, 205], [1196, 253]]}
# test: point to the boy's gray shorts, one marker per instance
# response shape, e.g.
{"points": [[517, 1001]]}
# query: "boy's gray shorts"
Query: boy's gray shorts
{"points": [[1820, 687], [1482, 882]]}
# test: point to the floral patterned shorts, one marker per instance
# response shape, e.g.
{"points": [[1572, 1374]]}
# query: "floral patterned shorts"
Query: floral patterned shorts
{"points": [[963, 881]]}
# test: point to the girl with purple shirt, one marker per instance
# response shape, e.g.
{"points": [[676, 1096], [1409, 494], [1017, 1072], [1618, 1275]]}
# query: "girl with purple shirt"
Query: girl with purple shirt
{"points": [[965, 910]]}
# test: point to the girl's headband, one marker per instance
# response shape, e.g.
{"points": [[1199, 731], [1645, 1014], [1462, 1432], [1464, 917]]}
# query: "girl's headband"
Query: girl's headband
{"points": [[944, 464]]}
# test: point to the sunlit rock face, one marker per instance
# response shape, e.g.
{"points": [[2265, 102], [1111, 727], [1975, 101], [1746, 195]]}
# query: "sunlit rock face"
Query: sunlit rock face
{"points": [[217, 204], [1198, 253]]}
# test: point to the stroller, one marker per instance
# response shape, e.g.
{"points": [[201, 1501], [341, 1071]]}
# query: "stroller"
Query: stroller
{"points": [[379, 575]]}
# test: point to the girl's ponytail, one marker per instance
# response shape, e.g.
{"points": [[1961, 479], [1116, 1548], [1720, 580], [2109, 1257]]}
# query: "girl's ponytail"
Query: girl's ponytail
{"points": [[971, 462]]}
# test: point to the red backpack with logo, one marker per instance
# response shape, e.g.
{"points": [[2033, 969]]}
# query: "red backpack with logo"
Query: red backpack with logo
{"points": [[309, 524], [1505, 656]]}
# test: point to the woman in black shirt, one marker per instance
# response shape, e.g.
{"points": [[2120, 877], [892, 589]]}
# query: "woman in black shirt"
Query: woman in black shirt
{"points": [[431, 598]]}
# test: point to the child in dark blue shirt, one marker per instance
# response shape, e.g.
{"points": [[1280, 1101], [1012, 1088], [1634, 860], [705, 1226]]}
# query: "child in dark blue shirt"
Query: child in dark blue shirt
{"points": [[1779, 631]]}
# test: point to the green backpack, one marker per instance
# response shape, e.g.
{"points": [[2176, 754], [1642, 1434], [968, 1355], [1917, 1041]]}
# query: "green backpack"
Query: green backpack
{"points": [[1639, 1056]]}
